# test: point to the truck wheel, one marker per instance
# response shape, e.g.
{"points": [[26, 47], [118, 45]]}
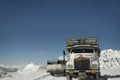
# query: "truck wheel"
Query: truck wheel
{"points": [[69, 77], [98, 76], [105, 77], [52, 74]]}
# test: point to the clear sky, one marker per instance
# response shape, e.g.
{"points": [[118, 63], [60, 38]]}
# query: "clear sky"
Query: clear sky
{"points": [[36, 30]]}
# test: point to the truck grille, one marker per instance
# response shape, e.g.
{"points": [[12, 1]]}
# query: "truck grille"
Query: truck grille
{"points": [[82, 64]]}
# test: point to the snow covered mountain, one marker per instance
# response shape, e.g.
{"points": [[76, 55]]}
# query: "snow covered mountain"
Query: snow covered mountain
{"points": [[109, 63], [30, 72]]}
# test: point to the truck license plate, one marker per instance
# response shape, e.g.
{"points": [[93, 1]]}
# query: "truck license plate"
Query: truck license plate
{"points": [[71, 72], [82, 74]]}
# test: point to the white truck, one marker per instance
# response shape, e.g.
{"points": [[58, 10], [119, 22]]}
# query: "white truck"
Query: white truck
{"points": [[80, 60]]}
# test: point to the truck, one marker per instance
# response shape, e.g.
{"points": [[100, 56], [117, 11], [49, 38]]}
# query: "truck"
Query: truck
{"points": [[80, 60]]}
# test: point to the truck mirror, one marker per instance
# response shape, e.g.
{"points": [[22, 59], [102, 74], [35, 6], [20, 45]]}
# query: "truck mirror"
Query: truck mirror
{"points": [[99, 51], [64, 56], [64, 52]]}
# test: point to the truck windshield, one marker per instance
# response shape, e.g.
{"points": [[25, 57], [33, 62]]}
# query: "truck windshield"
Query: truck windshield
{"points": [[82, 50]]}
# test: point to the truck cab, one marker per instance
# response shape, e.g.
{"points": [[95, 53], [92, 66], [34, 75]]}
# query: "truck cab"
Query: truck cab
{"points": [[82, 58]]}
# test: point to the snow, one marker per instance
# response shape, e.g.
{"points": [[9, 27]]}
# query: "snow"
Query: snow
{"points": [[109, 64], [29, 68], [29, 72]]}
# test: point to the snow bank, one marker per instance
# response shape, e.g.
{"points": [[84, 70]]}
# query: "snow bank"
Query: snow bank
{"points": [[110, 62]]}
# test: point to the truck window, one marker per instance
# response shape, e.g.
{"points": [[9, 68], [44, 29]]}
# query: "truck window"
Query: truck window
{"points": [[82, 50]]}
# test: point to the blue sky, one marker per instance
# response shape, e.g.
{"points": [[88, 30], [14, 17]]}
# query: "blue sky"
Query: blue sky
{"points": [[36, 30]]}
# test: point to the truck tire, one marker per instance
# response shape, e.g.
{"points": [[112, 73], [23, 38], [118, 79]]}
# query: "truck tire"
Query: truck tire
{"points": [[98, 76], [105, 77], [69, 77], [52, 74]]}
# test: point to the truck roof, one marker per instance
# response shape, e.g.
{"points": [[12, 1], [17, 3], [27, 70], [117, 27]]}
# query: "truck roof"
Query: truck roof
{"points": [[72, 42]]}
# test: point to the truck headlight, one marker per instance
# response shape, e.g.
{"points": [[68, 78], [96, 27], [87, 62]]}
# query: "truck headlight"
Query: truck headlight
{"points": [[70, 66], [93, 71], [94, 66]]}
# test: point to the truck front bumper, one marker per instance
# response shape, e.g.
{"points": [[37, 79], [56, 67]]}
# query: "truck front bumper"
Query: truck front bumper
{"points": [[81, 72]]}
